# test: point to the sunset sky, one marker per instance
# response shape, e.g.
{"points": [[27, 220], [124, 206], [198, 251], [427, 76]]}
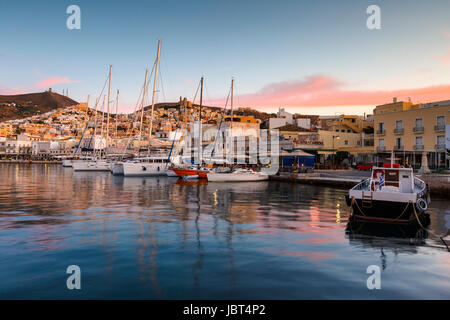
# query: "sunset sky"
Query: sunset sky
{"points": [[315, 57]]}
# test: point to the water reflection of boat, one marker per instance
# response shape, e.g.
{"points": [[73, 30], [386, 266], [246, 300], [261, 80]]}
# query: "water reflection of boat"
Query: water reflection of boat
{"points": [[194, 182], [385, 235], [241, 187]]}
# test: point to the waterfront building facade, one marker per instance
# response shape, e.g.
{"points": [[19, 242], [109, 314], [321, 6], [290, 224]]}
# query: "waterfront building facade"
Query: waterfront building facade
{"points": [[416, 133]]}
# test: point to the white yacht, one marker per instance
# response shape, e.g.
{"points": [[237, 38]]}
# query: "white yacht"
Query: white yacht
{"points": [[151, 166], [92, 165], [69, 162], [237, 175]]}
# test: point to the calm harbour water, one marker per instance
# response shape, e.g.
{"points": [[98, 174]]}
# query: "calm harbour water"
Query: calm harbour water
{"points": [[161, 238]]}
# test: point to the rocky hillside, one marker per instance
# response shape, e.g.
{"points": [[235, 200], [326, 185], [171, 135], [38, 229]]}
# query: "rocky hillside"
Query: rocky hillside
{"points": [[26, 105]]}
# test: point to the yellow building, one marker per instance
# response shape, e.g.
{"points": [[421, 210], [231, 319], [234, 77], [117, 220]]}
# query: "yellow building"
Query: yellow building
{"points": [[350, 123], [6, 129], [412, 130]]}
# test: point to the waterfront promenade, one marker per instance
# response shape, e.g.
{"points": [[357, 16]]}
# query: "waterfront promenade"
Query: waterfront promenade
{"points": [[439, 183]]}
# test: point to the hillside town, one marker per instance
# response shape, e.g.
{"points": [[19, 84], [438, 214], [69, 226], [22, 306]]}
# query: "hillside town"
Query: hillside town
{"points": [[415, 132]]}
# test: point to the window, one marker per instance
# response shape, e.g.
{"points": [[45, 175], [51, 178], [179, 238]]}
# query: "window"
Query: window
{"points": [[419, 123], [440, 140], [398, 143], [399, 124], [419, 141], [440, 121], [346, 142], [381, 143], [381, 126]]}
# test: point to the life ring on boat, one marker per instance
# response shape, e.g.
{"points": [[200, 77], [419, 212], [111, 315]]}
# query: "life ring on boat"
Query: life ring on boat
{"points": [[144, 168], [375, 176], [375, 173], [421, 204]]}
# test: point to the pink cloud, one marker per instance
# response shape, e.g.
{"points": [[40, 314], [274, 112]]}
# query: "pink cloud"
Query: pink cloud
{"points": [[52, 81], [11, 91], [446, 59], [447, 33], [322, 90]]}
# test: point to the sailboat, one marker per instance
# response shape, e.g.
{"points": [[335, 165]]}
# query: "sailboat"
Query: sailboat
{"points": [[98, 164], [148, 166], [238, 174], [195, 170]]}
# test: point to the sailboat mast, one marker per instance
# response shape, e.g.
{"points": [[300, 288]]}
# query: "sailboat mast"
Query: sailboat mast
{"points": [[232, 101], [142, 109], [95, 126], [117, 113], [155, 79], [200, 123], [109, 98], [232, 115], [103, 123], [87, 106]]}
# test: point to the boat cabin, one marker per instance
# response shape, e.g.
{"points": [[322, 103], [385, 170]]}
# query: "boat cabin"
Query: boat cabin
{"points": [[394, 179]]}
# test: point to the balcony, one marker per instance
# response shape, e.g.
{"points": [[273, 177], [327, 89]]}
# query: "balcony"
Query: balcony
{"points": [[418, 147], [381, 149], [439, 128], [381, 132], [440, 147], [398, 148], [418, 129], [398, 131]]}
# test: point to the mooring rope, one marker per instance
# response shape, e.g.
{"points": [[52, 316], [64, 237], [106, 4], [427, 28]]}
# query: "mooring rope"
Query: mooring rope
{"points": [[428, 230]]}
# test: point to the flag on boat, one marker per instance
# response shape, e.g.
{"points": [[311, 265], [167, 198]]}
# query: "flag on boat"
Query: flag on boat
{"points": [[381, 181]]}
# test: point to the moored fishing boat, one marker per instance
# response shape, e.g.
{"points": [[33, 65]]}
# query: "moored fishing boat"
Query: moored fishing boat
{"points": [[391, 194]]}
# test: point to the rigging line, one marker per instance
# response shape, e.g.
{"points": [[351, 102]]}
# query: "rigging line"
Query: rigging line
{"points": [[196, 92], [142, 110], [208, 98], [133, 121], [154, 91], [220, 123], [90, 117], [161, 82], [162, 58], [136, 115]]}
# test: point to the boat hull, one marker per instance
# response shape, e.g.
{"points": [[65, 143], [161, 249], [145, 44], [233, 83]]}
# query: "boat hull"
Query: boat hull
{"points": [[67, 163], [117, 169], [202, 174], [240, 177], [91, 166], [143, 169], [385, 211], [171, 173]]}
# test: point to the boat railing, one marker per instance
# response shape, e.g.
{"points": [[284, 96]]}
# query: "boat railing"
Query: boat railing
{"points": [[363, 185], [420, 185]]}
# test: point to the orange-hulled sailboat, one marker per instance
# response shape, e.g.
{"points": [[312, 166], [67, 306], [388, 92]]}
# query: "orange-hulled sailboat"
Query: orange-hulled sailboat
{"points": [[192, 171]]}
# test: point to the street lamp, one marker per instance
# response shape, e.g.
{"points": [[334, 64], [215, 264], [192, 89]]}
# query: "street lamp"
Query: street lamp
{"points": [[337, 137]]}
